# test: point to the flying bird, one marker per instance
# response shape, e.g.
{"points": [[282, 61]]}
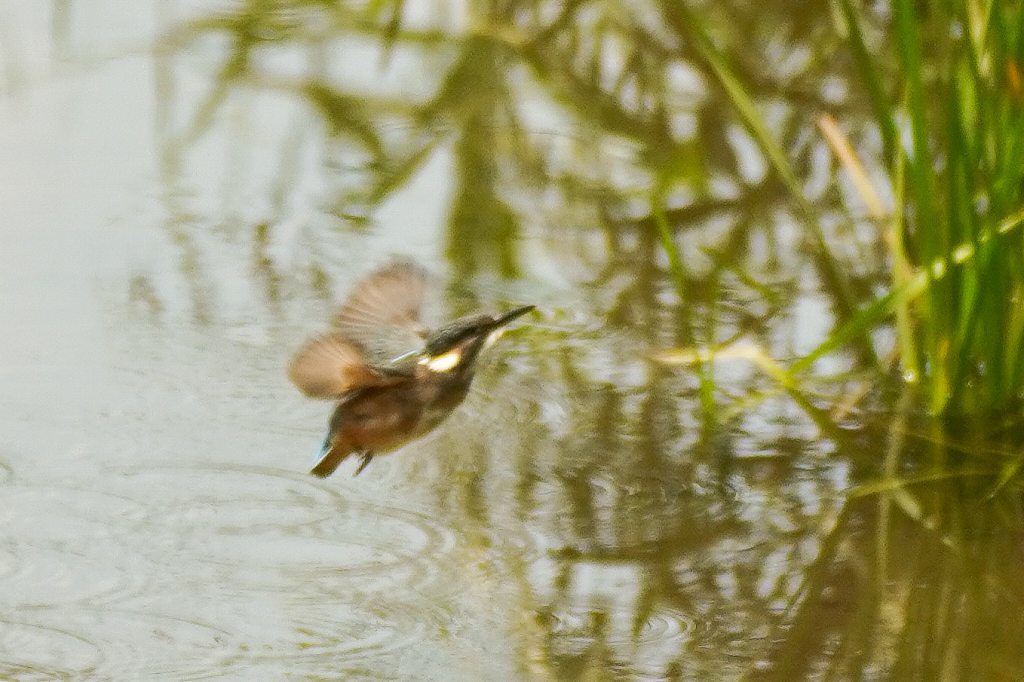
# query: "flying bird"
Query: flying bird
{"points": [[393, 379]]}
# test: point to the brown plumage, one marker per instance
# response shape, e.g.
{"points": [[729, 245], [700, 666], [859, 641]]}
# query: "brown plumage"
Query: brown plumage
{"points": [[393, 381]]}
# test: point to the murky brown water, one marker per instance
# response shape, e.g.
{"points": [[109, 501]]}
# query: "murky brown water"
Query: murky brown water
{"points": [[169, 238]]}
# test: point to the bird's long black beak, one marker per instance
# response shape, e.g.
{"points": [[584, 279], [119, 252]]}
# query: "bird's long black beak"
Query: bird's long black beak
{"points": [[505, 318]]}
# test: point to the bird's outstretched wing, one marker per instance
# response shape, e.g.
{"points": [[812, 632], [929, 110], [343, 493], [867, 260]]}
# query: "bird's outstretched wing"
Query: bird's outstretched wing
{"points": [[330, 365], [382, 314]]}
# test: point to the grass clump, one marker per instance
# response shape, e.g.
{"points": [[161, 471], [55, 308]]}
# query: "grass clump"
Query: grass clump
{"points": [[952, 123]]}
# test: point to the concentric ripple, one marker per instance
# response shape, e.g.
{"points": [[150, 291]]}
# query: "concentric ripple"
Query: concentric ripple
{"points": [[352, 634], [113, 643], [265, 520], [650, 649], [30, 651], [60, 548], [235, 565]]}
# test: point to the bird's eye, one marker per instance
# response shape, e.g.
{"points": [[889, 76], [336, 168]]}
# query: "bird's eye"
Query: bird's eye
{"points": [[443, 362]]}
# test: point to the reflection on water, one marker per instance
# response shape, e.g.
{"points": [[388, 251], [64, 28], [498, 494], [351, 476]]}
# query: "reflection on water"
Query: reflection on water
{"points": [[588, 514]]}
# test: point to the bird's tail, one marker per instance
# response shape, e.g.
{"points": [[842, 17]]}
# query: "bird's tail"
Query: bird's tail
{"points": [[328, 459]]}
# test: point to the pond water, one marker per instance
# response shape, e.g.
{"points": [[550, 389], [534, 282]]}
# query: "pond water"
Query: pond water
{"points": [[189, 188]]}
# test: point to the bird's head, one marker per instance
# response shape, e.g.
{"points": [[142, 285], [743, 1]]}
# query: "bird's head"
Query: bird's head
{"points": [[457, 344]]}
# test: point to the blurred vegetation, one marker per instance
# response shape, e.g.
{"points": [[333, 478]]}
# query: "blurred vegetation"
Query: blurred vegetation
{"points": [[659, 120], [952, 129], [812, 207], [576, 116]]}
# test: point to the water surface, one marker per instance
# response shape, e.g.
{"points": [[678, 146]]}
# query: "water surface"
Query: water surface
{"points": [[186, 192]]}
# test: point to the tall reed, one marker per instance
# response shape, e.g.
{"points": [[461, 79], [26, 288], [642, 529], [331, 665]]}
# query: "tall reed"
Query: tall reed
{"points": [[951, 117]]}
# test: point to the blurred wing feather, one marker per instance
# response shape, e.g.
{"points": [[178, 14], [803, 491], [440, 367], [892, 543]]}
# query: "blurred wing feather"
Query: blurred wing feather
{"points": [[382, 315], [330, 365]]}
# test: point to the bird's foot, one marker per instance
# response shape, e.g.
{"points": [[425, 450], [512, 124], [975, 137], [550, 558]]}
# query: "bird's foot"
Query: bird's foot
{"points": [[367, 456]]}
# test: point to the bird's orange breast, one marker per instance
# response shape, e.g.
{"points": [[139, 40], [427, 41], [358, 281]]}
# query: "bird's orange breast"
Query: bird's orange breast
{"points": [[383, 419]]}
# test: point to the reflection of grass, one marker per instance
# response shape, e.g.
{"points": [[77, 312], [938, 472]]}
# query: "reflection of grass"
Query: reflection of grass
{"points": [[906, 581]]}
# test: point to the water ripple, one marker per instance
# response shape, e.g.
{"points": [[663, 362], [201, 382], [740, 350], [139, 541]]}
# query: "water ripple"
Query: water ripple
{"points": [[31, 651], [270, 519], [60, 547], [235, 565]]}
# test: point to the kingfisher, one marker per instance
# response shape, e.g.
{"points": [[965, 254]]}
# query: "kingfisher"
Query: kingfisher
{"points": [[393, 379]]}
